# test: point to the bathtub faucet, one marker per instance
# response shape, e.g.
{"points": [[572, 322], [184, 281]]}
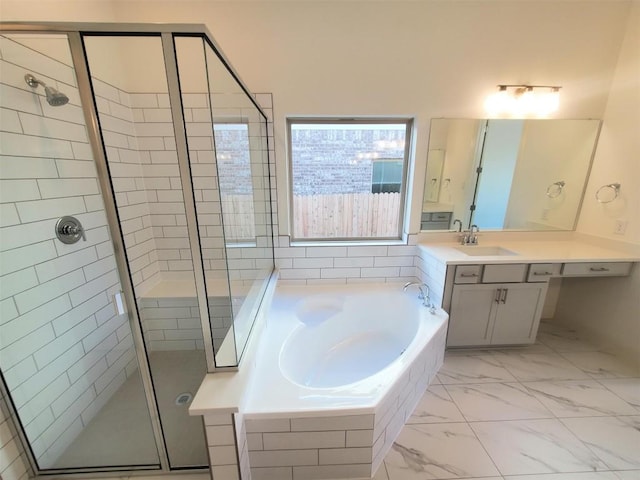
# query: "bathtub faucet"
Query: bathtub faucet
{"points": [[423, 294]]}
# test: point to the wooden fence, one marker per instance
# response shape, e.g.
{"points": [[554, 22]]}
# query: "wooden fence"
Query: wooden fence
{"points": [[239, 217], [346, 215], [365, 215]]}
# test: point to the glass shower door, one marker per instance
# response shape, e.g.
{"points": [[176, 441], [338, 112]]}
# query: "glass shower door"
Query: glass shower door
{"points": [[129, 80], [228, 155], [67, 352]]}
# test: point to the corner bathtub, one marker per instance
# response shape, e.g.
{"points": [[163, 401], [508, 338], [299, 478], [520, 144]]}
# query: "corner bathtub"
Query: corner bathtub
{"points": [[338, 371]]}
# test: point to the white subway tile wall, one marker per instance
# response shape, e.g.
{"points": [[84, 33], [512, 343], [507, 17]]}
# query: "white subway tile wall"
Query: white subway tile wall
{"points": [[432, 272], [173, 323], [64, 351], [307, 265], [13, 461], [224, 445]]}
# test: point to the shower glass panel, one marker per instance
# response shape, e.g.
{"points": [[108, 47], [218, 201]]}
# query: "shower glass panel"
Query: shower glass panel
{"points": [[228, 153], [130, 86], [66, 354]]}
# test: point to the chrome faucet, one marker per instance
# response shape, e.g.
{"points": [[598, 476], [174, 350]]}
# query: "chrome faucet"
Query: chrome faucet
{"points": [[470, 237], [423, 294]]}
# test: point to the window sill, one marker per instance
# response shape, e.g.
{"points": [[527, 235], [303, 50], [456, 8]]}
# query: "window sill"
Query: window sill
{"points": [[346, 243]]}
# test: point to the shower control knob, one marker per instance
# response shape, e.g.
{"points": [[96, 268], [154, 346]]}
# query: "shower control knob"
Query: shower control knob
{"points": [[69, 230]]}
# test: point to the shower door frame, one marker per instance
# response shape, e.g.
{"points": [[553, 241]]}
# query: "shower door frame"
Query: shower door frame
{"points": [[167, 33]]}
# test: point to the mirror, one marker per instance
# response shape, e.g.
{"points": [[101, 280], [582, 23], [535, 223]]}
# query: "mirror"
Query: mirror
{"points": [[507, 174]]}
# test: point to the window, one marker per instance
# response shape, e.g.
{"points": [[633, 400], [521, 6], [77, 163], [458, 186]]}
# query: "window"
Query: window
{"points": [[387, 176], [348, 177]]}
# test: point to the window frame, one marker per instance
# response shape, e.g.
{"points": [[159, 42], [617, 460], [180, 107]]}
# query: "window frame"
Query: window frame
{"points": [[409, 127]]}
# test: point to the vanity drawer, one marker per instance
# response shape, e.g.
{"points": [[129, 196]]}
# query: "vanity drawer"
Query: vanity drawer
{"points": [[441, 216], [468, 274], [596, 269], [504, 273], [542, 272]]}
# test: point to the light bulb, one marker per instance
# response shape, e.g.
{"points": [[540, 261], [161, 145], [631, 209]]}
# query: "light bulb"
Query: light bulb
{"points": [[498, 102]]}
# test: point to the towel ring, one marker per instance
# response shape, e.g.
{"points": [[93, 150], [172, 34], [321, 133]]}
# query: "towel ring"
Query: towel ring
{"points": [[603, 197], [555, 189]]}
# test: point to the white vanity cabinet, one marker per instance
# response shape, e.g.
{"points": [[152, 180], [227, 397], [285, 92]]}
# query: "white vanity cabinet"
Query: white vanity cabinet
{"points": [[496, 295], [502, 308]]}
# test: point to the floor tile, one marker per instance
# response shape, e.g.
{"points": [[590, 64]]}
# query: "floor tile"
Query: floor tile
{"points": [[535, 446], [579, 398], [381, 474], [551, 325], [534, 348], [616, 440], [436, 406], [566, 476], [496, 401], [565, 341], [438, 451], [468, 352], [626, 388], [473, 369], [602, 365], [533, 367], [628, 475]]}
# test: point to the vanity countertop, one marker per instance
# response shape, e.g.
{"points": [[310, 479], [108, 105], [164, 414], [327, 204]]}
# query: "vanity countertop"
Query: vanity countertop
{"points": [[563, 251]]}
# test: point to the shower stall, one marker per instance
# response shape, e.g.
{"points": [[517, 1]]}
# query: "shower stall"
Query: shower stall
{"points": [[136, 238]]}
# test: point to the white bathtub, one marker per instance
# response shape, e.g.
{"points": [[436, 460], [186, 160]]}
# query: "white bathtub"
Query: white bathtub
{"points": [[339, 369]]}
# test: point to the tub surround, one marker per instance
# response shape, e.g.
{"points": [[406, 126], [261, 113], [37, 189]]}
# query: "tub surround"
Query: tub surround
{"points": [[289, 431]]}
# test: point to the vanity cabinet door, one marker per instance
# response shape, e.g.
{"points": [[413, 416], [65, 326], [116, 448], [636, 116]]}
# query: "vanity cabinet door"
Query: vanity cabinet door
{"points": [[495, 314], [518, 312], [470, 315]]}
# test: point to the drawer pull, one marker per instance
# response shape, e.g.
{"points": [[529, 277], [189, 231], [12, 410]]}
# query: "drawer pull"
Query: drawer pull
{"points": [[598, 269], [540, 274], [468, 275], [505, 292], [498, 293]]}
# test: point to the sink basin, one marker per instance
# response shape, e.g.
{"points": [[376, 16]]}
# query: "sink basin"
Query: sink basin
{"points": [[484, 251]]}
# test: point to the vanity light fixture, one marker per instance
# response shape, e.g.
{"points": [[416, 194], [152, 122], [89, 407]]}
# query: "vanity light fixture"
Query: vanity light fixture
{"points": [[522, 100]]}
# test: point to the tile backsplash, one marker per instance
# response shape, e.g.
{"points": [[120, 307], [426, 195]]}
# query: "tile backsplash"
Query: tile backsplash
{"points": [[345, 264]]}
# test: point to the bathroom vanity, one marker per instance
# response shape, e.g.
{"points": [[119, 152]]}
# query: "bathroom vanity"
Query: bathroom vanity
{"points": [[495, 294]]}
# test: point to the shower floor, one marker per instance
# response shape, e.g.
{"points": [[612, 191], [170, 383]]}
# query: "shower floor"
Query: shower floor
{"points": [[121, 434]]}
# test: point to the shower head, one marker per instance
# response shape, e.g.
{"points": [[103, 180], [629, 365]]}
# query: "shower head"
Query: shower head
{"points": [[54, 97]]}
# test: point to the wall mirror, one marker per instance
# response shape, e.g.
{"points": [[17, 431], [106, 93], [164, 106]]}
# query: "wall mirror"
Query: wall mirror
{"points": [[507, 174]]}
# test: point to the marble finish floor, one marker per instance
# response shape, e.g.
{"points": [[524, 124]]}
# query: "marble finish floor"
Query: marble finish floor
{"points": [[557, 410]]}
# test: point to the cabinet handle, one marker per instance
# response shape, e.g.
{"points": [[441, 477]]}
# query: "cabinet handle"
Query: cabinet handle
{"points": [[541, 273], [598, 269], [468, 275], [498, 293], [505, 292]]}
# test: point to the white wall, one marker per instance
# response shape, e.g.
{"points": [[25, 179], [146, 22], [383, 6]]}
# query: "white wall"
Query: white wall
{"points": [[608, 309], [617, 157]]}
